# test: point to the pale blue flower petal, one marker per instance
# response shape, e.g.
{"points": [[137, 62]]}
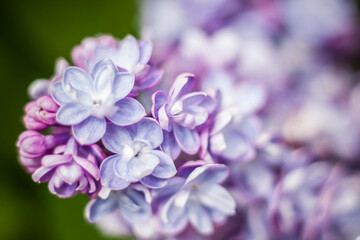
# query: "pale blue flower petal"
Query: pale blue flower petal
{"points": [[108, 177], [148, 129], [71, 113], [145, 51], [116, 137], [129, 111], [188, 139], [90, 130], [153, 182], [77, 79], [58, 94], [98, 208], [123, 84], [136, 168], [166, 167], [129, 54]]}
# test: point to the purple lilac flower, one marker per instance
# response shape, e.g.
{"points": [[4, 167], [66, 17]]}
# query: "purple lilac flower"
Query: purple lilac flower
{"points": [[40, 114], [86, 100], [71, 169], [129, 55], [32, 146], [132, 202], [136, 156], [198, 199], [180, 113]]}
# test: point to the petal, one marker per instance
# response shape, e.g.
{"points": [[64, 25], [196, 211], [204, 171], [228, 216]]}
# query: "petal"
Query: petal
{"points": [[99, 208], [210, 173], [89, 131], [162, 194], [134, 206], [123, 84], [188, 139], [166, 167], [129, 112], [101, 65], [116, 137], [145, 51], [55, 159], [217, 143], [88, 166], [148, 129], [236, 144], [182, 85], [107, 174], [136, 168], [153, 182], [214, 196], [200, 218], [38, 88], [129, 54], [188, 167], [43, 174], [77, 79], [222, 119], [70, 173], [71, 113], [58, 94], [173, 217], [151, 80], [163, 118], [104, 81], [159, 99], [170, 145]]}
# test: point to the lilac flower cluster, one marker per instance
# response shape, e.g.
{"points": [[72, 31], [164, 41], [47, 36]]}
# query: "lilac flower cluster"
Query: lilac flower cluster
{"points": [[232, 126]]}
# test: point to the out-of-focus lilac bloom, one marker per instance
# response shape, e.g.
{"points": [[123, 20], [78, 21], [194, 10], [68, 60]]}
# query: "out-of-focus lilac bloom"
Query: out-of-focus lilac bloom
{"points": [[40, 114], [132, 202], [41, 87], [71, 169], [310, 123], [33, 146], [166, 28], [86, 100], [129, 55], [198, 199], [245, 97], [231, 137], [339, 205], [216, 51], [335, 18], [295, 198], [136, 158], [180, 113]]}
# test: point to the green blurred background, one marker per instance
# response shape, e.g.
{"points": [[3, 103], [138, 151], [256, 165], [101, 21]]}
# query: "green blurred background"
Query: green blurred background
{"points": [[33, 35]]}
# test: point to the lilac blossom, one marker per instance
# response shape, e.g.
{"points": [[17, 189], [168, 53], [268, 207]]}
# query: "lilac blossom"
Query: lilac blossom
{"points": [[87, 100], [198, 199], [136, 156], [132, 202], [40, 114], [71, 169], [32, 146], [180, 113], [128, 54]]}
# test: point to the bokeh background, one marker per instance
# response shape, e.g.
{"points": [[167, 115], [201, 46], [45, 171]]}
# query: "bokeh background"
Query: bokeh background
{"points": [[33, 35]]}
